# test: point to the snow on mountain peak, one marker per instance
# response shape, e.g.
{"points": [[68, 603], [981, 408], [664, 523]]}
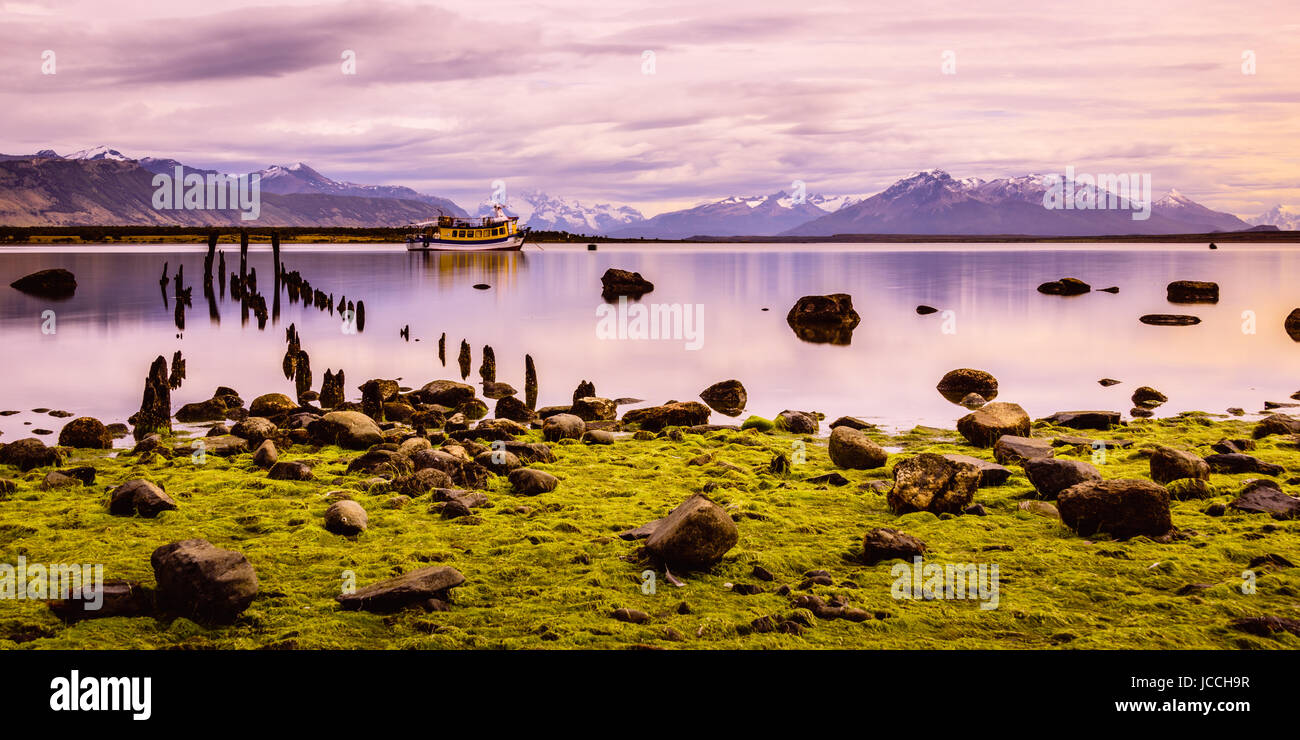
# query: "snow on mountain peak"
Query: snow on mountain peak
{"points": [[99, 152]]}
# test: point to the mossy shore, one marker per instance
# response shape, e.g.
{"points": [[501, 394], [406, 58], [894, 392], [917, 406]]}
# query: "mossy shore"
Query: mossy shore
{"points": [[547, 571]]}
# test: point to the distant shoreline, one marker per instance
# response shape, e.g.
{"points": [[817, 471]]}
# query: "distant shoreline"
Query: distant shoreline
{"points": [[63, 235]]}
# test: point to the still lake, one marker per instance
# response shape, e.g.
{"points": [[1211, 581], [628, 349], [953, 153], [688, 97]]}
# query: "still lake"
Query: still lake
{"points": [[1047, 352]]}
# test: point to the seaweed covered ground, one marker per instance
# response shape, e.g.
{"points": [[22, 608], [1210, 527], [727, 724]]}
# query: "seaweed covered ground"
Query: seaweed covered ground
{"points": [[548, 571]]}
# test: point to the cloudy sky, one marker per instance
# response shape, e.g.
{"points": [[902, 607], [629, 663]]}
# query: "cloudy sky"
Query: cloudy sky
{"points": [[743, 98]]}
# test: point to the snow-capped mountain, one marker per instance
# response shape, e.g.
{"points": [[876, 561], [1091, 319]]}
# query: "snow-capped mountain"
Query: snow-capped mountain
{"points": [[299, 179], [760, 215], [933, 202], [540, 211], [1283, 217], [99, 152]]}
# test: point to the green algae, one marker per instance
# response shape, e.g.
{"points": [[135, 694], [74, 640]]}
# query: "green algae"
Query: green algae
{"points": [[548, 571]]}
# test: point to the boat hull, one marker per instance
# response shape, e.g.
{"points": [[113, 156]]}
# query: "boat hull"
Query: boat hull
{"points": [[510, 244]]}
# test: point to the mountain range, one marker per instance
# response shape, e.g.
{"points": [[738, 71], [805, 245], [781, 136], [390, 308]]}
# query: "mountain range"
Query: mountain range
{"points": [[102, 186]]}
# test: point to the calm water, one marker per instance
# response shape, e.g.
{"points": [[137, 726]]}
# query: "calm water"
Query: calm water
{"points": [[1047, 352]]}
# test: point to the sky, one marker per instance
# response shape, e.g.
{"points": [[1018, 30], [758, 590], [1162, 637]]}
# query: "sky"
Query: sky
{"points": [[665, 105]]}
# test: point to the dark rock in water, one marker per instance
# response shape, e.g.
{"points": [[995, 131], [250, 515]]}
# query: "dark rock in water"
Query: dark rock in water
{"points": [[1099, 420], [1112, 289], [671, 414], [331, 389], [973, 401], [497, 391], [178, 371], [513, 409], [350, 429], [1169, 464], [1264, 497], [850, 448], [139, 497], [1050, 475], [530, 382], [56, 284], [347, 518], [824, 319], [86, 432], [1147, 397], [530, 482], [591, 408], [427, 587], [118, 431], [1235, 462], [487, 370], [585, 389], [115, 598], [1292, 325], [203, 582], [289, 471], [926, 310], [213, 409], [155, 413], [1065, 286], [956, 384], [1276, 424], [930, 482], [448, 393], [1166, 319], [882, 544], [852, 422], [442, 349], [984, 426], [1107, 382], [562, 426], [727, 397], [361, 315], [694, 536], [1141, 413], [464, 359], [991, 474], [1120, 507], [1192, 291], [1213, 245], [481, 286], [796, 422], [617, 282]]}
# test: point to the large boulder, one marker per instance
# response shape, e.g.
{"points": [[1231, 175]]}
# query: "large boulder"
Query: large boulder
{"points": [[346, 518], [1237, 462], [1100, 420], [351, 429], [823, 319], [1264, 497], [85, 432], [449, 393], [1292, 325], [1051, 475], [530, 482], [930, 482], [255, 429], [29, 453], [510, 407], [1147, 397], [563, 426], [592, 408], [694, 536], [139, 497], [796, 422], [956, 384], [1015, 449], [1276, 424], [213, 409], [382, 462], [850, 448], [1168, 464], [617, 282], [991, 474], [424, 480], [203, 582], [56, 284], [727, 397], [983, 426], [271, 404], [427, 587], [671, 414], [1120, 507]]}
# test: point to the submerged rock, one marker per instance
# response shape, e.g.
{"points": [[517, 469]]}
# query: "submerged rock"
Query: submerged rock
{"points": [[1147, 397], [55, 284]]}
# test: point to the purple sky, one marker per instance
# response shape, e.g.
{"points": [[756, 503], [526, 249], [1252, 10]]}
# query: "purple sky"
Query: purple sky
{"points": [[745, 98]]}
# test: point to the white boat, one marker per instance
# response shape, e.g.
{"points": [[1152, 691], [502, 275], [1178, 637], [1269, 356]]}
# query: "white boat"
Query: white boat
{"points": [[494, 233]]}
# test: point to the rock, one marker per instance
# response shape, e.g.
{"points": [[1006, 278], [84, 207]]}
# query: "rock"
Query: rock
{"points": [[562, 426], [1050, 475], [56, 479], [1267, 626], [1292, 325], [382, 462], [1039, 508], [29, 453], [591, 408], [139, 497], [1015, 449], [1236, 411], [1065, 286], [1192, 291], [673, 413], [116, 598], [530, 482], [225, 445], [823, 319], [617, 282], [413, 445], [1099, 420], [851, 422], [487, 370], [882, 544], [925, 310], [464, 361], [473, 409], [991, 474], [350, 429], [203, 582], [266, 455], [1233, 446], [1184, 489], [727, 397], [331, 389], [1168, 464], [834, 479], [1114, 289], [1147, 397], [1276, 424], [955, 385], [496, 391], [498, 461], [85, 432], [55, 284], [631, 616], [424, 480], [255, 429], [850, 448], [796, 422], [1166, 319], [513, 409], [930, 482], [585, 388], [1070, 440], [271, 404], [984, 426], [1120, 507], [531, 452], [694, 536], [155, 414], [447, 393], [346, 518], [598, 437], [972, 401], [1138, 413], [290, 471], [213, 409], [1108, 382], [1264, 497], [1237, 462], [417, 588]]}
